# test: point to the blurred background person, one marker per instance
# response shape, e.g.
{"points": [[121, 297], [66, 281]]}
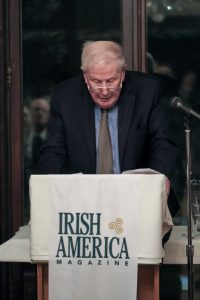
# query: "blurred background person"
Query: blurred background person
{"points": [[39, 112], [36, 120]]}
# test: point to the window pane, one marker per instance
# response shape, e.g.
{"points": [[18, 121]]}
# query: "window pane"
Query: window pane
{"points": [[173, 55], [53, 34]]}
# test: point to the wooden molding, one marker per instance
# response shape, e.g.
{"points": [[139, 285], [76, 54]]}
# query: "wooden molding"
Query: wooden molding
{"points": [[14, 95], [134, 33], [139, 33]]}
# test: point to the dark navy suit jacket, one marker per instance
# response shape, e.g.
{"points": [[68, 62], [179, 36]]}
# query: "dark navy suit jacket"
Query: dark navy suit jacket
{"points": [[142, 128]]}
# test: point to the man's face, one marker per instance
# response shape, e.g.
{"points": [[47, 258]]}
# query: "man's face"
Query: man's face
{"points": [[104, 83]]}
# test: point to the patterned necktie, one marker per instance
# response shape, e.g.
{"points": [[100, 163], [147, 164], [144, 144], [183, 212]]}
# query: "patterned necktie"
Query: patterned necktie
{"points": [[105, 158]]}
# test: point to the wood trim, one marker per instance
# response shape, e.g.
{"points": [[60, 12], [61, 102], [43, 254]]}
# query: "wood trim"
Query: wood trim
{"points": [[156, 282], [134, 33], [127, 32], [148, 282], [4, 187], [10, 141], [4, 190], [11, 202], [139, 33], [16, 117], [42, 282]]}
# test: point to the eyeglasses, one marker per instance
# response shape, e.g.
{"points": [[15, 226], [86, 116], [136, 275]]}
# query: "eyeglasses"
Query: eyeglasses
{"points": [[110, 88]]}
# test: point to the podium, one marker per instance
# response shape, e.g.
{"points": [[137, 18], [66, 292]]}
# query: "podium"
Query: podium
{"points": [[154, 220], [31, 242]]}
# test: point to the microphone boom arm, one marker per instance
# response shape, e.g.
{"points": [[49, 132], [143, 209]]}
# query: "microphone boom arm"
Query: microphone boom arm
{"points": [[177, 104]]}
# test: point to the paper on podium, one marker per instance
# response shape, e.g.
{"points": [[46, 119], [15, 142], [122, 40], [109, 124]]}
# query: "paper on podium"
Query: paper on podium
{"points": [[141, 171], [153, 208]]}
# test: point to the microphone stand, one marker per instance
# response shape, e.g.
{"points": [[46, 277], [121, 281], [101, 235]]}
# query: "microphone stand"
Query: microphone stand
{"points": [[189, 246]]}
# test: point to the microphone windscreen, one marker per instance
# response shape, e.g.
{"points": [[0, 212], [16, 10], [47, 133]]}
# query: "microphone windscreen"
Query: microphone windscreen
{"points": [[175, 102]]}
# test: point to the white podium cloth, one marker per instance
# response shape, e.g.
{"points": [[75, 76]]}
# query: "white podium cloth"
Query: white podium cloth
{"points": [[93, 237], [154, 216]]}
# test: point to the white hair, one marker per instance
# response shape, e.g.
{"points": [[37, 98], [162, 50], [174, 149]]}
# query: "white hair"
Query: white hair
{"points": [[101, 52]]}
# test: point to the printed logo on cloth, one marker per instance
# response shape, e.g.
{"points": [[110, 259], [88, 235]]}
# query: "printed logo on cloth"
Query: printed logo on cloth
{"points": [[87, 239], [117, 225]]}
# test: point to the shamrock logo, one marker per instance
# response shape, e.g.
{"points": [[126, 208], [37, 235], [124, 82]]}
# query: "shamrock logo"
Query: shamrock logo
{"points": [[117, 225]]}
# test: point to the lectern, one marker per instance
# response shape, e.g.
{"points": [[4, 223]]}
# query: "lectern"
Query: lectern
{"points": [[154, 221]]}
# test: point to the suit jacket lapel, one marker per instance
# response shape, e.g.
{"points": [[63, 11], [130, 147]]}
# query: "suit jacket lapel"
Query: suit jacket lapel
{"points": [[87, 113], [125, 113]]}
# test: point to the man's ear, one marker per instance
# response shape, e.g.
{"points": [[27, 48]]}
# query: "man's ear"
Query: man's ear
{"points": [[84, 75], [123, 73]]}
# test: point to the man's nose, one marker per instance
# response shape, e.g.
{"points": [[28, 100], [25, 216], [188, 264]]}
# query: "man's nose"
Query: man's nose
{"points": [[104, 88]]}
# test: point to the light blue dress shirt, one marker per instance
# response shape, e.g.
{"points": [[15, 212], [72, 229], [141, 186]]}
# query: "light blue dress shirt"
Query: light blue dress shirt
{"points": [[113, 127]]}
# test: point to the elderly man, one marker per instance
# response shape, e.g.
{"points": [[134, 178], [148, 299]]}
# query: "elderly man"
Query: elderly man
{"points": [[136, 125]]}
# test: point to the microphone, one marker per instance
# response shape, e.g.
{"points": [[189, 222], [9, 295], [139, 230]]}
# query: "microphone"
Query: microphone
{"points": [[177, 104]]}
